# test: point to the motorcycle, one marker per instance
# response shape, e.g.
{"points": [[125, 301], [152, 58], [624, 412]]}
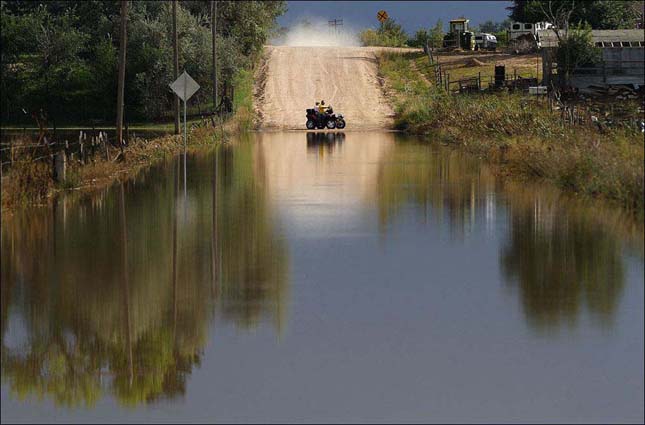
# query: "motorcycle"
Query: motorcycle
{"points": [[327, 119]]}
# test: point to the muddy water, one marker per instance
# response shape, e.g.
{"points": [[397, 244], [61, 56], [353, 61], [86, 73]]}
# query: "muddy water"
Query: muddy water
{"points": [[321, 277]]}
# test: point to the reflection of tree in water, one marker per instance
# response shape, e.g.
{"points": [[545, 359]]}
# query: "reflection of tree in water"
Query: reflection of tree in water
{"points": [[88, 330], [253, 272], [433, 179], [561, 260], [562, 254]]}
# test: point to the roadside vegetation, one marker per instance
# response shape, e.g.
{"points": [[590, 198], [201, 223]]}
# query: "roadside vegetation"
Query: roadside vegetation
{"points": [[59, 70], [519, 134], [62, 56], [30, 182]]}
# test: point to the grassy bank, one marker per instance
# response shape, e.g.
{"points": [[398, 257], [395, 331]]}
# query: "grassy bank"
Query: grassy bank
{"points": [[520, 135], [30, 182]]}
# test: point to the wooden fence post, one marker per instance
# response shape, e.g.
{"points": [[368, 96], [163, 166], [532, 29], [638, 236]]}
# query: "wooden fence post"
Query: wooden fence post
{"points": [[105, 145], [60, 165], [81, 150]]}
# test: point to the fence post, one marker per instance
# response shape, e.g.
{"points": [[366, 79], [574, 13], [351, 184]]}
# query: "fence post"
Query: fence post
{"points": [[80, 142], [105, 145], [60, 164]]}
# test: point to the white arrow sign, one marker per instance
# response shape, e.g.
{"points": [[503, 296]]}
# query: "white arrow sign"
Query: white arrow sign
{"points": [[184, 86]]}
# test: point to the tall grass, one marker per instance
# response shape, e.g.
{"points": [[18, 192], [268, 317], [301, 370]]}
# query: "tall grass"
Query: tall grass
{"points": [[243, 100], [522, 136]]}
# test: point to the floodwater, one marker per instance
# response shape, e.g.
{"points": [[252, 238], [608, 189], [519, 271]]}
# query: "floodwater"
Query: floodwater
{"points": [[322, 277]]}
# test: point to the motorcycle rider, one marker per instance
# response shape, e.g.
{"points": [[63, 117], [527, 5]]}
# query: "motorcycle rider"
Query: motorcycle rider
{"points": [[321, 109]]}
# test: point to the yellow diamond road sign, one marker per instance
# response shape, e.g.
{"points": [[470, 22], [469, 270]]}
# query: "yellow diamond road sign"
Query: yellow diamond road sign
{"points": [[184, 86], [381, 15]]}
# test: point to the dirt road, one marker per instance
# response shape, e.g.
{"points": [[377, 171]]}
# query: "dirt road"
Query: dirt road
{"points": [[294, 78]]}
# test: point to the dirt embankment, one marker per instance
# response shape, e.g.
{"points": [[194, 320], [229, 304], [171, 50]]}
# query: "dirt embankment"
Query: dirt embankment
{"points": [[294, 78]]}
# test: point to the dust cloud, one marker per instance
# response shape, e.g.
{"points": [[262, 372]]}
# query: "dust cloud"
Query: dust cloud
{"points": [[319, 33]]}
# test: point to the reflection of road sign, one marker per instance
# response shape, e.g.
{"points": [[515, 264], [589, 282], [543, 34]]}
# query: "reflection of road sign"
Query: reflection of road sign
{"points": [[184, 86], [381, 15]]}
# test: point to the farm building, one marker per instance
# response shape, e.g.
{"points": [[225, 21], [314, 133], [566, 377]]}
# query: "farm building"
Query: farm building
{"points": [[622, 58]]}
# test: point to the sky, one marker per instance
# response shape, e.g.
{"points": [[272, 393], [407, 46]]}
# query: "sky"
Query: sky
{"points": [[413, 15]]}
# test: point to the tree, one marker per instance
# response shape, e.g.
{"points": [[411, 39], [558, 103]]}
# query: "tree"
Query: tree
{"points": [[390, 34], [600, 14], [575, 45], [436, 34], [214, 43], [77, 44], [121, 85], [420, 39], [175, 61], [575, 49], [494, 27]]}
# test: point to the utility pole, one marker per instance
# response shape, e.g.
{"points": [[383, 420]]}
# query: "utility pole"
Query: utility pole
{"points": [[175, 47], [121, 85], [335, 23], [213, 35]]}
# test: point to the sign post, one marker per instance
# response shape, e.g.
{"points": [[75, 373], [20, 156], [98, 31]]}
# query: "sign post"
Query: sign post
{"points": [[382, 17], [184, 87]]}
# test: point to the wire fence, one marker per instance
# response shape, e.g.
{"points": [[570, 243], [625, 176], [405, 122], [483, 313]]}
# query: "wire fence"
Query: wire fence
{"points": [[81, 150]]}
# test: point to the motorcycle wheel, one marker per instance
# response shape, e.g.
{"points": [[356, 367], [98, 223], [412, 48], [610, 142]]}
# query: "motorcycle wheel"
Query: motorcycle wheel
{"points": [[311, 124], [340, 124], [331, 124]]}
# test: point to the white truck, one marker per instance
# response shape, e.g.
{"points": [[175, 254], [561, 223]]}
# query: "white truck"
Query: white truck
{"points": [[485, 41]]}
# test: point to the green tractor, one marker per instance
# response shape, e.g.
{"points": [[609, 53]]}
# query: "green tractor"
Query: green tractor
{"points": [[458, 37]]}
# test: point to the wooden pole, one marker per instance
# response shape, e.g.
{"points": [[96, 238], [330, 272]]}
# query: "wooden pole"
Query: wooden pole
{"points": [[213, 36], [121, 85], [175, 59]]}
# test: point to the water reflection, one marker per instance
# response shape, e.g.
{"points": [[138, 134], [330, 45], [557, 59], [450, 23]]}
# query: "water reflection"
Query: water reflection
{"points": [[443, 183], [563, 255], [320, 143], [115, 294], [565, 258]]}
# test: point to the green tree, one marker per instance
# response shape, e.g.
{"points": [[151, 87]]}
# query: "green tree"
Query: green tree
{"points": [[600, 14], [436, 34], [419, 40], [389, 34], [576, 49], [64, 53], [494, 27]]}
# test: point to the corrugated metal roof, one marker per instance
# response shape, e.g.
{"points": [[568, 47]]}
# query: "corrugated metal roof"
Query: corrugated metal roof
{"points": [[549, 39]]}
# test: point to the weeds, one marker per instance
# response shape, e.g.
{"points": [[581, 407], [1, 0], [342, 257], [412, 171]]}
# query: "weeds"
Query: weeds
{"points": [[521, 135]]}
